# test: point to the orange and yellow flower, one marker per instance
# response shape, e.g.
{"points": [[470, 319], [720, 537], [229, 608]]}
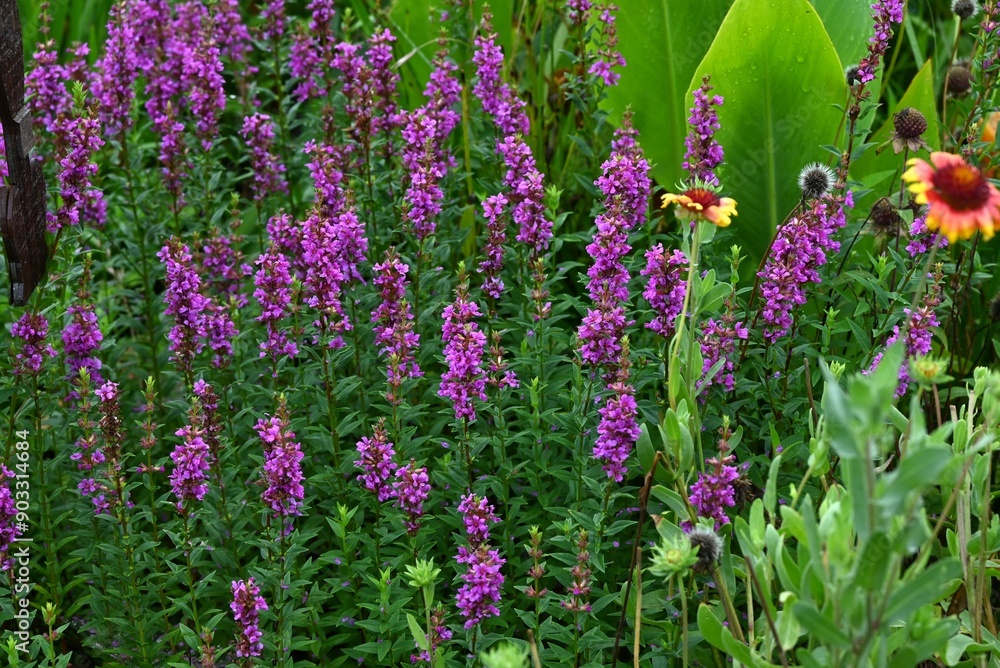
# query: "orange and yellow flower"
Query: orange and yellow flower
{"points": [[962, 202], [702, 203]]}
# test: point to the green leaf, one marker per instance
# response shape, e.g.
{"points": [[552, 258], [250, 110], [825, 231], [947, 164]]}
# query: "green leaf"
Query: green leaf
{"points": [[821, 627], [920, 96], [929, 587], [845, 21], [780, 75], [663, 41]]}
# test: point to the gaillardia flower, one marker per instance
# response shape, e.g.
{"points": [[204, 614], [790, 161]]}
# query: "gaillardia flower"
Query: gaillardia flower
{"points": [[961, 200], [702, 202]]}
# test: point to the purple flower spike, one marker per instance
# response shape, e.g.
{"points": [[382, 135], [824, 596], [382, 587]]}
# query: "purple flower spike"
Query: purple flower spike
{"points": [[703, 153], [246, 606], [465, 379], [666, 286], [282, 464], [885, 13], [411, 488], [378, 463]]}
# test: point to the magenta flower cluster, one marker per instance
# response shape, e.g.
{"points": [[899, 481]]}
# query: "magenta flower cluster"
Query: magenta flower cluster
{"points": [[246, 606], [192, 461], [666, 285], [884, 13], [918, 335], [713, 492], [482, 580], [81, 340], [465, 379], [185, 303], [618, 429], [377, 461], [499, 100], [282, 472], [394, 329], [718, 342], [703, 152], [9, 528], [799, 249], [625, 185], [411, 487], [29, 356], [922, 239], [268, 172], [274, 294], [607, 54], [114, 86]]}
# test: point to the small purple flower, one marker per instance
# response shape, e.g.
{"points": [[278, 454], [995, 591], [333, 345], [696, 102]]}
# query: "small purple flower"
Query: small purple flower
{"points": [[526, 194], [411, 487], [246, 606], [80, 200], [31, 329], [618, 429], [201, 76], [496, 226], [922, 239], [327, 169], [718, 342], [185, 302], [114, 85], [477, 514], [378, 463], [282, 464], [394, 332], [498, 99], [268, 172], [799, 249], [703, 153], [577, 12], [886, 12], [666, 286], [274, 294], [189, 479], [9, 529], [607, 54], [465, 379], [713, 492]]}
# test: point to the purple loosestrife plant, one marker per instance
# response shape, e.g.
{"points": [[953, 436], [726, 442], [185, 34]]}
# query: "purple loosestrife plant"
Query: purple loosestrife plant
{"points": [[482, 580], [282, 471], [578, 595], [665, 288], [918, 336], [246, 606], [577, 12], [80, 200], [393, 330], [377, 463], [274, 294], [268, 172], [411, 487], [718, 342], [114, 85], [464, 344], [625, 184], [884, 13], [492, 264], [922, 239], [618, 429], [312, 52], [799, 249], [29, 355], [82, 337], [607, 53], [498, 99], [185, 303], [526, 195], [10, 528], [192, 461], [201, 76], [327, 169], [703, 152], [714, 491]]}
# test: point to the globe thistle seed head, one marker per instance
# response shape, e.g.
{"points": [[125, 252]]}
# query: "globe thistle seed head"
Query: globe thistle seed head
{"points": [[885, 218], [959, 80], [815, 180], [908, 126], [965, 9], [709, 548]]}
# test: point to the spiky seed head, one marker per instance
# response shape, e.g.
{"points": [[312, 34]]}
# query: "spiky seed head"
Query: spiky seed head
{"points": [[909, 123], [965, 9], [815, 180], [959, 80], [885, 218], [709, 548]]}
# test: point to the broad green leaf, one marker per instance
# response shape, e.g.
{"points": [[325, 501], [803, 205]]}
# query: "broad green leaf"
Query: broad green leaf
{"points": [[846, 21], [822, 628], [780, 75], [920, 96], [662, 41], [929, 587]]}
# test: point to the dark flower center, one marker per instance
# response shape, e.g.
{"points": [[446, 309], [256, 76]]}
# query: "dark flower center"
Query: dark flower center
{"points": [[702, 196], [962, 187]]}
